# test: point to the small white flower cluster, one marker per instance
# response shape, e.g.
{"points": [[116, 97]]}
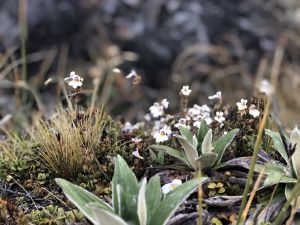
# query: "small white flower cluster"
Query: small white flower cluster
{"points": [[163, 134], [242, 106], [157, 109], [199, 113], [129, 128], [75, 81]]}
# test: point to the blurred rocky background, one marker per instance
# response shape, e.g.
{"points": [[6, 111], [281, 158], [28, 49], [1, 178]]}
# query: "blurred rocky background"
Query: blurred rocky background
{"points": [[210, 45]]}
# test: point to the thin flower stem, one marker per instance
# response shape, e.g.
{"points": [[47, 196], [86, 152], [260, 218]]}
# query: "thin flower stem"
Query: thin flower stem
{"points": [[257, 145]]}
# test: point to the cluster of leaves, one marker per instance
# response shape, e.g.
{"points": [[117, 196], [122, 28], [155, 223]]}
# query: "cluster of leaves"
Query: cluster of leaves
{"points": [[200, 152], [133, 203]]}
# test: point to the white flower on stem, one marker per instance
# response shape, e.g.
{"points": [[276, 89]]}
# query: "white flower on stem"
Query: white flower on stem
{"points": [[165, 103], [198, 121], [137, 154], [156, 110], [185, 90], [131, 74], [162, 135], [167, 188], [219, 117], [242, 105], [266, 87], [253, 111], [75, 80], [182, 122], [218, 95]]}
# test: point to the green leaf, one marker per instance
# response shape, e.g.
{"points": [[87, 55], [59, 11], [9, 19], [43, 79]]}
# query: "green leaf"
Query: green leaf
{"points": [[276, 174], [222, 143], [104, 217], [124, 191], [187, 134], [172, 201], [172, 152], [81, 197], [206, 147], [190, 152], [275, 136], [141, 205], [295, 140], [153, 195], [206, 160], [202, 131]]}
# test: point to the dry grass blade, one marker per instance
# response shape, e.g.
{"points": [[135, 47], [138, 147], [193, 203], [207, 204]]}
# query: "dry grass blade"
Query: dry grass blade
{"points": [[256, 185]]}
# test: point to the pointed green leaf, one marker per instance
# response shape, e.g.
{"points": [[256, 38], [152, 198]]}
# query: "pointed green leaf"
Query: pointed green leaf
{"points": [[190, 152], [124, 191], [295, 140], [222, 143], [104, 217], [142, 206], [275, 136], [187, 134], [202, 131], [153, 195], [172, 152], [81, 197], [206, 160], [206, 147], [276, 174], [172, 201]]}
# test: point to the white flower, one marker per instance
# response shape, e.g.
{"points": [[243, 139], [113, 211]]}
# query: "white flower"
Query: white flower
{"points": [[131, 74], [219, 117], [137, 154], [253, 111], [185, 90], [266, 87], [136, 140], [165, 103], [162, 135], [197, 110], [242, 105], [128, 127], [147, 117], [167, 188], [156, 110], [116, 70], [76, 81], [181, 123], [218, 95], [208, 120]]}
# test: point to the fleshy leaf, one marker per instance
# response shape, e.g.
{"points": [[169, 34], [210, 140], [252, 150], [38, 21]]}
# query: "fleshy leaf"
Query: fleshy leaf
{"points": [[206, 160], [222, 143], [81, 197], [190, 152], [104, 217], [202, 131], [275, 136], [295, 140], [153, 196], [172, 152], [125, 191], [172, 201], [141, 205], [206, 147], [187, 134]]}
